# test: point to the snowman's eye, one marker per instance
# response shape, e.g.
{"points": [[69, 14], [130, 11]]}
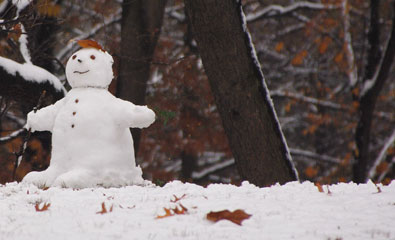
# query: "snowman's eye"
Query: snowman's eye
{"points": [[93, 57], [74, 57]]}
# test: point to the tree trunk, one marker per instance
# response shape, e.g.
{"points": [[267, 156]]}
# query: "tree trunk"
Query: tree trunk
{"points": [[240, 92], [141, 24], [378, 71]]}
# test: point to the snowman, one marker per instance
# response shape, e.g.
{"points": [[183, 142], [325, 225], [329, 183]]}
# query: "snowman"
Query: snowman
{"points": [[91, 141]]}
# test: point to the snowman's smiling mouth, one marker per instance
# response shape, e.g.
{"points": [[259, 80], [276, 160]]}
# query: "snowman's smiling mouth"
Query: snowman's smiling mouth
{"points": [[81, 72]]}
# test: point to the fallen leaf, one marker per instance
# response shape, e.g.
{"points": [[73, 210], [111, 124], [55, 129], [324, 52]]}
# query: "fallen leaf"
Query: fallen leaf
{"points": [[236, 216], [167, 213], [182, 209], [318, 185], [104, 209], [176, 199], [178, 210], [378, 188], [43, 208]]}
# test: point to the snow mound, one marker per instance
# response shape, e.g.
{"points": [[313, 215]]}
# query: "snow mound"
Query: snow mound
{"points": [[292, 211]]}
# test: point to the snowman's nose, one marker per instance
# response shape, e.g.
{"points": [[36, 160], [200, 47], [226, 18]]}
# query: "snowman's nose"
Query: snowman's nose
{"points": [[79, 60]]}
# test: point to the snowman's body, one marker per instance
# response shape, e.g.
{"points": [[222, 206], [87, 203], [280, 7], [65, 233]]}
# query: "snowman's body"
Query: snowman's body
{"points": [[91, 140]]}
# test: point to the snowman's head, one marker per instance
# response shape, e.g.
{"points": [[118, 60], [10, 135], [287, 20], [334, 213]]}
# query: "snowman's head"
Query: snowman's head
{"points": [[90, 67]]}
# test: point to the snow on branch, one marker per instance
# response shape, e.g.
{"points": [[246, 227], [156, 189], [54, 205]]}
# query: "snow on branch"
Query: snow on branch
{"points": [[287, 30], [380, 158], [3, 5], [382, 175], [274, 10], [13, 135], [296, 152], [321, 157], [311, 100], [323, 103], [212, 169], [23, 46], [20, 4], [18, 120], [352, 68], [78, 8], [30, 73], [173, 12]]}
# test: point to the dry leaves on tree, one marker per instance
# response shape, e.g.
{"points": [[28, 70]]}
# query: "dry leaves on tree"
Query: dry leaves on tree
{"points": [[237, 216]]}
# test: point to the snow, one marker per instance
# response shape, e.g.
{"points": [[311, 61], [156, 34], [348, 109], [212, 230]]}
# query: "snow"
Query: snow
{"points": [[368, 84], [23, 46], [91, 141], [31, 73], [292, 211], [3, 5]]}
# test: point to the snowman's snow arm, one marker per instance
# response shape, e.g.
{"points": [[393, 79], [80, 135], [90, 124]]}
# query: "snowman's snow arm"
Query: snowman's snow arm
{"points": [[135, 116], [43, 119], [142, 117]]}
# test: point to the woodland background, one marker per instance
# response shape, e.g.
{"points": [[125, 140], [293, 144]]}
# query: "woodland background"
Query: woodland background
{"points": [[317, 58]]}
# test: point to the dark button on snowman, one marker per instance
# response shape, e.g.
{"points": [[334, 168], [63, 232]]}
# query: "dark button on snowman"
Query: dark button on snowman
{"points": [[91, 142]]}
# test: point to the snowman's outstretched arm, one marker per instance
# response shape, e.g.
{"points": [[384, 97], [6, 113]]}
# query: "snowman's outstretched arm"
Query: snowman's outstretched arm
{"points": [[43, 119], [135, 116]]}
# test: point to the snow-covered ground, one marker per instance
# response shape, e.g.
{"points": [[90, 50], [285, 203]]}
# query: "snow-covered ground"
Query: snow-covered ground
{"points": [[292, 211]]}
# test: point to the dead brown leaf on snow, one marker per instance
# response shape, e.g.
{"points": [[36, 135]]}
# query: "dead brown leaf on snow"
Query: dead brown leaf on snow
{"points": [[176, 199], [237, 216], [104, 209], [43, 208], [178, 210]]}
